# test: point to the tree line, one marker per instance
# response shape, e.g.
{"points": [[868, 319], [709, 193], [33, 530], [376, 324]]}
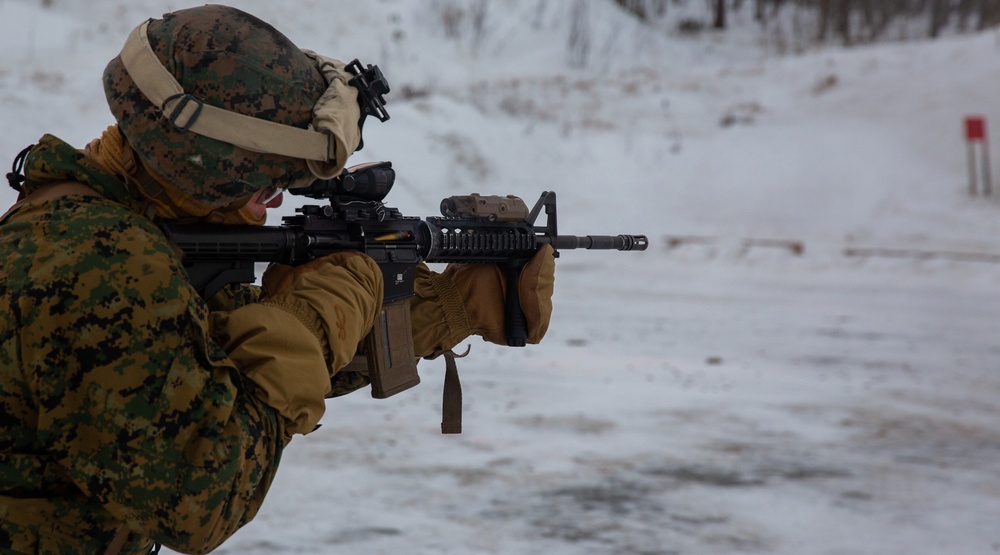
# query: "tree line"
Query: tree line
{"points": [[844, 21]]}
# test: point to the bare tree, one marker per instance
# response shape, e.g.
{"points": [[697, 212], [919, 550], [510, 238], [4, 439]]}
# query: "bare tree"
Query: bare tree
{"points": [[938, 17], [578, 45], [846, 21], [843, 20], [989, 13], [720, 14], [824, 10], [645, 10]]}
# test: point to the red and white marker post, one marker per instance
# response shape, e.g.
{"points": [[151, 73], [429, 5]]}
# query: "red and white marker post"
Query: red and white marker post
{"points": [[975, 138]]}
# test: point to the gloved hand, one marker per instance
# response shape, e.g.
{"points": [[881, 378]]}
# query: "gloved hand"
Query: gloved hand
{"points": [[468, 299], [306, 327], [337, 297]]}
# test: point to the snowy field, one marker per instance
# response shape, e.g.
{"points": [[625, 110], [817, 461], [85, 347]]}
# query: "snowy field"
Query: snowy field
{"points": [[805, 361]]}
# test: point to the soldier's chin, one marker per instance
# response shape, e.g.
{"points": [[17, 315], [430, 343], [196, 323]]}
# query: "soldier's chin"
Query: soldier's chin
{"points": [[276, 201], [256, 209]]}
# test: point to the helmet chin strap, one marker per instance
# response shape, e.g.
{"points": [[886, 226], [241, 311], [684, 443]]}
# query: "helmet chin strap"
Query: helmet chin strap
{"points": [[326, 146]]}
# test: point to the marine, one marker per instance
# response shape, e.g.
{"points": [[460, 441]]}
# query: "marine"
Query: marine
{"points": [[133, 412]]}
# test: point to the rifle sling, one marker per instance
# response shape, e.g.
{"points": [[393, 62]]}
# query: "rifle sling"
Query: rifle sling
{"points": [[451, 407], [118, 542]]}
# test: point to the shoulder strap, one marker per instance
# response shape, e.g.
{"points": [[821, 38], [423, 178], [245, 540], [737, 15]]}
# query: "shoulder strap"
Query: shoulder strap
{"points": [[118, 542]]}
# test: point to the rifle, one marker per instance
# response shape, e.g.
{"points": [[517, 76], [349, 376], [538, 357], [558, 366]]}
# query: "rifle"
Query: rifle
{"points": [[471, 229]]}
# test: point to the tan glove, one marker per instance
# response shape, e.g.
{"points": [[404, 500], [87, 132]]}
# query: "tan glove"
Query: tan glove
{"points": [[468, 299], [337, 297], [307, 326]]}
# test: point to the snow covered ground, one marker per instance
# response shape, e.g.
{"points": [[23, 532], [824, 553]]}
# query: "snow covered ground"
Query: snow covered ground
{"points": [[803, 362]]}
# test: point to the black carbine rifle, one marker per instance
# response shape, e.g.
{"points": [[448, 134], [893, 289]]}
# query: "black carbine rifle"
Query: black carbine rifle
{"points": [[471, 229]]}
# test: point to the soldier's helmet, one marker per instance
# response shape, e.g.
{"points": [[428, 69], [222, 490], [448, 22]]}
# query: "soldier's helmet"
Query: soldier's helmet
{"points": [[220, 57]]}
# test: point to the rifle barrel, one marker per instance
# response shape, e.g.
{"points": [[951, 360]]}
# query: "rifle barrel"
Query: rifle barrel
{"points": [[599, 242]]}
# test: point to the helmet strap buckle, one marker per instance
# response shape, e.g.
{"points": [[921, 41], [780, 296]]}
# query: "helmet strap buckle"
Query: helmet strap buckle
{"points": [[180, 110]]}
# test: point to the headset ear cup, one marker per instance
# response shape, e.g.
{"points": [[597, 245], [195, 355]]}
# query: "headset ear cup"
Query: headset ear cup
{"points": [[336, 113]]}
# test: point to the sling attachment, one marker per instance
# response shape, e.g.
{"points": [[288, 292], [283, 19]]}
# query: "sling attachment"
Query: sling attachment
{"points": [[121, 537], [118, 542], [451, 408]]}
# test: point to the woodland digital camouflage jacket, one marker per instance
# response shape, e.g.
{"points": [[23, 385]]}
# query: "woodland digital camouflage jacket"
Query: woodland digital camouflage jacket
{"points": [[116, 406]]}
